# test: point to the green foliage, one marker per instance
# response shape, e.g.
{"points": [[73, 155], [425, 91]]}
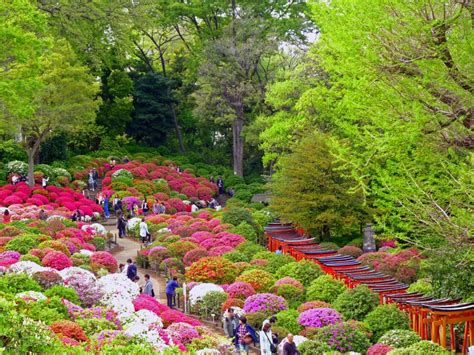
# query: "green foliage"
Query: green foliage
{"points": [[48, 311], [32, 258], [422, 286], [421, 347], [317, 199], [11, 150], [236, 256], [384, 318], [329, 245], [324, 288], [356, 303], [249, 249], [16, 283], [212, 302], [399, 338], [289, 320], [99, 243], [92, 326], [343, 337], [304, 271], [311, 347], [63, 292], [245, 230], [292, 294], [237, 215], [256, 319]]}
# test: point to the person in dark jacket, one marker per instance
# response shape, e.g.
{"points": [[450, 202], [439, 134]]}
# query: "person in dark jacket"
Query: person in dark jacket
{"points": [[241, 334], [171, 286], [131, 270], [220, 185], [231, 321], [290, 347], [122, 225]]}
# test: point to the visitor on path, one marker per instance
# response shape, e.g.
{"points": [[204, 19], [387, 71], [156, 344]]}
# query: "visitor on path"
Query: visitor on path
{"points": [[279, 250], [244, 336], [42, 215], [162, 208], [144, 233], [213, 203], [194, 208], [117, 204], [91, 182], [272, 320], [231, 192], [44, 181], [156, 208], [106, 207], [290, 347], [266, 340], [122, 226], [171, 287], [220, 185], [145, 207], [100, 198], [23, 178], [95, 175], [76, 216], [6, 216], [125, 160], [15, 179], [231, 322], [148, 287], [211, 179], [131, 269]]}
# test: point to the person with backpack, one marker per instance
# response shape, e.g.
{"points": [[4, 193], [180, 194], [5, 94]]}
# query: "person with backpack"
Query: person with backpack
{"points": [[244, 336], [148, 287], [131, 270]]}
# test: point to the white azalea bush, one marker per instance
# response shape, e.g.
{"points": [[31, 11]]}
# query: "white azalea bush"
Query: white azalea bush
{"points": [[199, 291]]}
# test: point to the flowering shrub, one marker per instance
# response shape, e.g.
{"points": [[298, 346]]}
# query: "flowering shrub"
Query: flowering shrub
{"points": [[56, 260], [312, 304], [289, 281], [105, 260], [69, 329], [379, 349], [185, 332], [240, 290], [324, 288], [48, 279], [172, 316], [260, 280], [199, 291], [232, 302], [343, 337], [399, 338], [194, 255], [179, 248], [212, 302], [265, 302], [212, 269], [149, 303], [22, 243], [351, 250], [84, 283], [288, 319], [421, 347], [319, 317]]}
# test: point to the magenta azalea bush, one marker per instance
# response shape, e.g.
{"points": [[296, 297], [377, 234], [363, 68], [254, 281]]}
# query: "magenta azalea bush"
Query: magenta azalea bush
{"points": [[319, 317], [240, 290], [56, 260], [379, 349], [266, 303]]}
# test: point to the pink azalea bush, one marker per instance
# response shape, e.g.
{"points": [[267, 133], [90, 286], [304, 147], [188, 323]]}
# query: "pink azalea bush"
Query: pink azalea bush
{"points": [[56, 260], [241, 290], [265, 302], [319, 317], [149, 303], [103, 260], [379, 349]]}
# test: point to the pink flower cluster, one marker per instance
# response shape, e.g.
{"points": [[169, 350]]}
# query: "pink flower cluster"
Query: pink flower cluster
{"points": [[184, 332], [319, 317], [265, 302], [290, 281], [56, 260], [241, 290], [25, 202], [8, 258]]}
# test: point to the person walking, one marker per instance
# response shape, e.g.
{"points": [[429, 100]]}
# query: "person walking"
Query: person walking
{"points": [[6, 216], [244, 336], [117, 204], [220, 185], [15, 179], [76, 216], [144, 233], [290, 347], [42, 215], [279, 250], [44, 181], [156, 208], [131, 270], [106, 207], [231, 322], [267, 346], [145, 207], [95, 176], [148, 287], [91, 182], [171, 286], [121, 226]]}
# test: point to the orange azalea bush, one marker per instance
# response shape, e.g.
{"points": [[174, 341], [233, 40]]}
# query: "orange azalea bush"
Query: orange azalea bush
{"points": [[212, 269]]}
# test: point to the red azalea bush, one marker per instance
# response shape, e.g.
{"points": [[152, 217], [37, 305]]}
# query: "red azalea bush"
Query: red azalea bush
{"points": [[212, 269], [172, 316], [350, 250], [312, 304], [56, 260], [194, 255], [232, 302], [69, 329], [103, 260]]}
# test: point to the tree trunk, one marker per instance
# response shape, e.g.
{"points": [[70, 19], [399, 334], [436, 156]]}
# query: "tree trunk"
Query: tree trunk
{"points": [[31, 166], [238, 146], [177, 129]]}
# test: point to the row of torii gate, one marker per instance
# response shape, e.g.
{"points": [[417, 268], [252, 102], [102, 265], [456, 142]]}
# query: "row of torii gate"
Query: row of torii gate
{"points": [[429, 317]]}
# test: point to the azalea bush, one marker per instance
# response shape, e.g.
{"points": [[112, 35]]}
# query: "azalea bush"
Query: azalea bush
{"points": [[319, 317], [260, 280], [212, 303], [212, 269], [324, 288], [343, 337], [399, 338], [379, 349], [350, 250], [288, 319], [304, 271], [265, 302], [356, 303], [384, 318], [240, 290], [312, 304]]}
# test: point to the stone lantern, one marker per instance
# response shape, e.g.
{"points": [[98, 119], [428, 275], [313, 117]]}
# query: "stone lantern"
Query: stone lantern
{"points": [[369, 239]]}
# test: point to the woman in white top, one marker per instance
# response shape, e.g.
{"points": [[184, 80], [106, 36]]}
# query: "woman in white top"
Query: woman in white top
{"points": [[143, 231], [266, 338]]}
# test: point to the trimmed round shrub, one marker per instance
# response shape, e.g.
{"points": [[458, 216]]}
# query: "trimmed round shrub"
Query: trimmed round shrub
{"points": [[194, 255], [99, 243], [289, 319], [179, 248], [56, 260], [304, 271], [48, 279], [103, 260], [288, 281], [22, 244], [313, 304], [260, 280], [324, 288], [63, 292], [421, 347], [356, 303], [16, 283], [422, 286], [212, 269], [256, 319], [311, 347], [293, 294], [343, 337], [267, 303], [399, 338], [235, 215], [379, 349], [212, 302], [384, 318], [240, 290], [249, 249], [319, 317], [351, 250], [232, 302], [32, 258], [236, 256], [69, 329], [246, 230]]}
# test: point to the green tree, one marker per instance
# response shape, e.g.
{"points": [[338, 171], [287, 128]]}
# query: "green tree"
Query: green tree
{"points": [[312, 190]]}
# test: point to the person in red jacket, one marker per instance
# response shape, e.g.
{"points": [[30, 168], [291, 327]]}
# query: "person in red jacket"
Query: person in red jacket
{"points": [[6, 216]]}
